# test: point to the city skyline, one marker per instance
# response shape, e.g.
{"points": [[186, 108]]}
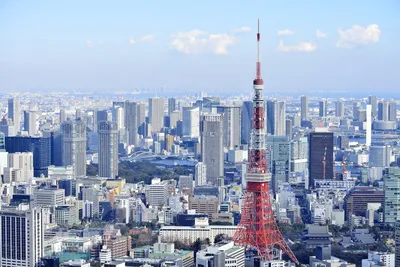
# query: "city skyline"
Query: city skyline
{"points": [[98, 46]]}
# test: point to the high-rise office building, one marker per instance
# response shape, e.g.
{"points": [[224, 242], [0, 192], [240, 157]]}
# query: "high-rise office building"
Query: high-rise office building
{"points": [[372, 100], [356, 110], [131, 125], [30, 122], [74, 145], [322, 108], [320, 156], [108, 149], [397, 242], [174, 117], [78, 113], [368, 131], [212, 146], [156, 113], [276, 116], [40, 147], [278, 155], [289, 128], [191, 122], [299, 155], [247, 113], [391, 181], [49, 197], [232, 116], [200, 174], [383, 111], [141, 118], [14, 113], [62, 117], [380, 155], [20, 167], [171, 105], [103, 115], [22, 237], [392, 111], [339, 112], [304, 108], [118, 117]]}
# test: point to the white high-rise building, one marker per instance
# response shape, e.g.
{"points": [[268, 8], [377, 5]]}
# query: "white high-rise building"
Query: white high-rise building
{"points": [[339, 112], [200, 174], [368, 136], [304, 108], [156, 113], [118, 117], [232, 116], [20, 167], [14, 113], [22, 237], [108, 149], [191, 122], [49, 197]]}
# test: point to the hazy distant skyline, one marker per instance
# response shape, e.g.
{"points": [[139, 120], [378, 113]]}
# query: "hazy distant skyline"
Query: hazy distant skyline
{"points": [[199, 45]]}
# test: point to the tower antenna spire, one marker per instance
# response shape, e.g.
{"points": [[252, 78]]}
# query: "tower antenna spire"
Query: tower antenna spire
{"points": [[258, 76]]}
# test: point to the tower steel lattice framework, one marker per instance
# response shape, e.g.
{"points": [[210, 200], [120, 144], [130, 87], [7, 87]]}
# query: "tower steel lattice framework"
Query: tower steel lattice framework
{"points": [[258, 228]]}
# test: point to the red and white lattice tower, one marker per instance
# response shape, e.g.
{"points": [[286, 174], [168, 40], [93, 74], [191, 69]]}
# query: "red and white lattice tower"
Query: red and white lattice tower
{"points": [[257, 228]]}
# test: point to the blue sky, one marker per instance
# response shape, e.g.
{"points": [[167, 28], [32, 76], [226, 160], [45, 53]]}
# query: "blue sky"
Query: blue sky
{"points": [[199, 45]]}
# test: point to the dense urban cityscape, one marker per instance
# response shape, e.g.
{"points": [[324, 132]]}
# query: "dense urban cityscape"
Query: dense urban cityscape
{"points": [[177, 178]]}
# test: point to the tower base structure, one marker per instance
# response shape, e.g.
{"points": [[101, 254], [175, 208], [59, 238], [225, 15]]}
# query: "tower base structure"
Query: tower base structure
{"points": [[258, 228]]}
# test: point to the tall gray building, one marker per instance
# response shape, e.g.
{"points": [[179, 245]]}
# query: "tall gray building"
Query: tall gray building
{"points": [[131, 123], [339, 112], [392, 114], [156, 113], [74, 145], [62, 116], [304, 108], [212, 153], [171, 105], [372, 100], [30, 122], [247, 114], [276, 117], [14, 113], [383, 111], [141, 118], [232, 116], [391, 180], [278, 151], [322, 108], [108, 149]]}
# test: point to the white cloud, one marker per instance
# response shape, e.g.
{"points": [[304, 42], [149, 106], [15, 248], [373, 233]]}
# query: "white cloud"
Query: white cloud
{"points": [[241, 29], [132, 41], [285, 32], [90, 43], [147, 38], [197, 41], [320, 34], [358, 35], [301, 47]]}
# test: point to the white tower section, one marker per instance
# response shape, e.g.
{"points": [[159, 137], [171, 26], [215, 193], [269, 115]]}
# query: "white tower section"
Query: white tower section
{"points": [[369, 125]]}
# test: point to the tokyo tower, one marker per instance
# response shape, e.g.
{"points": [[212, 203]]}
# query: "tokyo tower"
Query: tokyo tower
{"points": [[257, 227]]}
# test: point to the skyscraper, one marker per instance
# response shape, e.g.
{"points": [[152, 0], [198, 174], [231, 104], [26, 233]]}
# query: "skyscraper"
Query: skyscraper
{"points": [[102, 115], [276, 116], [200, 174], [232, 116], [14, 113], [278, 154], [141, 117], [62, 116], [322, 108], [392, 111], [383, 111], [130, 121], [30, 122], [368, 133], [108, 149], [339, 112], [212, 146], [391, 180], [74, 145], [191, 122], [372, 100], [118, 117], [156, 113], [22, 237], [247, 113], [320, 156], [304, 108], [171, 105]]}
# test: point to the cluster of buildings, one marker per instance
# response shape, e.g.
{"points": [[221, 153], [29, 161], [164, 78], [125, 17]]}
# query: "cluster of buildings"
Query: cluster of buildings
{"points": [[332, 162]]}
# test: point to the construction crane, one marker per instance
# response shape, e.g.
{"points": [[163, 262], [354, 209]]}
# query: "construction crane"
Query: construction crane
{"points": [[324, 165]]}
